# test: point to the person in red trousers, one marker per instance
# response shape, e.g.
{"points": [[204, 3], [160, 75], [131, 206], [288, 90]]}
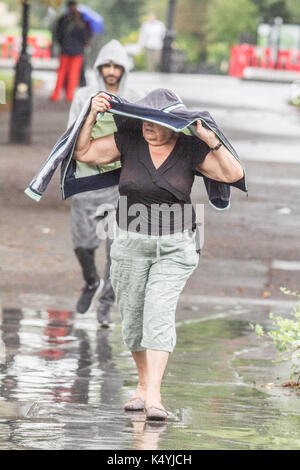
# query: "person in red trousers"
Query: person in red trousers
{"points": [[72, 33]]}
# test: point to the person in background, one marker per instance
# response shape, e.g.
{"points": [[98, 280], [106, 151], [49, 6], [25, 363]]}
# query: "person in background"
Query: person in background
{"points": [[82, 80], [151, 39], [111, 70], [72, 33]]}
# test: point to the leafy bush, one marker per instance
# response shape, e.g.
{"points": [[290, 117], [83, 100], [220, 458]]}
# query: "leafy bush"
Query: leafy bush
{"points": [[8, 80], [191, 46], [218, 54], [294, 103], [139, 59], [139, 62], [228, 19], [286, 336]]}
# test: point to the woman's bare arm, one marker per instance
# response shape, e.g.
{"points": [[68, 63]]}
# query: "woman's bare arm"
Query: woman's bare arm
{"points": [[220, 164], [98, 151]]}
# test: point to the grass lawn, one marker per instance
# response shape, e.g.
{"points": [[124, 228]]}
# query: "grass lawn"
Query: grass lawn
{"points": [[297, 105], [7, 78]]}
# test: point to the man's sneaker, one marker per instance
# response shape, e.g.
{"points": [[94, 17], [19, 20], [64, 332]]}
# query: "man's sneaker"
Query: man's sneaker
{"points": [[103, 315], [88, 296]]}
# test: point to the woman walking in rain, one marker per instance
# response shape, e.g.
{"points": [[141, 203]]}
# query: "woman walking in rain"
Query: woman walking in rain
{"points": [[150, 266]]}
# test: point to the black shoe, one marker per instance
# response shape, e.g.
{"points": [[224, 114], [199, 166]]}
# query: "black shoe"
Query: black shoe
{"points": [[88, 297], [103, 315]]}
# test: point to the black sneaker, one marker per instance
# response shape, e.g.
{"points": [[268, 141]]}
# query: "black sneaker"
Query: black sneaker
{"points": [[103, 315], [88, 296]]}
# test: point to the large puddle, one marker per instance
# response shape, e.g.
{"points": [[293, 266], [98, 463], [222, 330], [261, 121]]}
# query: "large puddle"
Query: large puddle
{"points": [[63, 383]]}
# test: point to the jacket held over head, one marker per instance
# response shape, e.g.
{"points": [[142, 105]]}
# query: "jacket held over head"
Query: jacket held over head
{"points": [[161, 106]]}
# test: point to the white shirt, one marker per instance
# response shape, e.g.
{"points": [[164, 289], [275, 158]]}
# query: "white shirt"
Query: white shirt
{"points": [[152, 35]]}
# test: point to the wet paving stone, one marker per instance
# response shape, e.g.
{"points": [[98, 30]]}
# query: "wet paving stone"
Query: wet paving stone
{"points": [[63, 382]]}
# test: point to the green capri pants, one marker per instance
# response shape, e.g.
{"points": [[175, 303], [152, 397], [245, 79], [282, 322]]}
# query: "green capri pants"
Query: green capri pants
{"points": [[148, 274]]}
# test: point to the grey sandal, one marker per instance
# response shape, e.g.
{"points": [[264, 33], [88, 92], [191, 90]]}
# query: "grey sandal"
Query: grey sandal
{"points": [[156, 413], [134, 404]]}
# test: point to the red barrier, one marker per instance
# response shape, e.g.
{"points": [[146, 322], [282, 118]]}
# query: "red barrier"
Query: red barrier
{"points": [[245, 55], [297, 61], [39, 48]]}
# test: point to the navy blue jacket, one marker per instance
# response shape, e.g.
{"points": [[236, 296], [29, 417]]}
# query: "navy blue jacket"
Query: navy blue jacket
{"points": [[72, 34]]}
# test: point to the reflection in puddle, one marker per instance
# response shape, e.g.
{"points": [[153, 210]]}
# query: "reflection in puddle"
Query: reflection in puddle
{"points": [[63, 383]]}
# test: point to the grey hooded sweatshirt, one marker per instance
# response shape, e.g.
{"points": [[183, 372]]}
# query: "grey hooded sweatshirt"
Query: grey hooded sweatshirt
{"points": [[113, 51], [84, 205]]}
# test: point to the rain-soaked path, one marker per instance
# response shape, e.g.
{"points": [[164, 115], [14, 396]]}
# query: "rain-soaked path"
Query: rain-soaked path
{"points": [[63, 382]]}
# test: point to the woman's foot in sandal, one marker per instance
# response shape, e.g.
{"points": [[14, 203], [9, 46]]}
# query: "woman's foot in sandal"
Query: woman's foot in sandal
{"points": [[154, 409], [137, 402], [157, 413], [134, 404]]}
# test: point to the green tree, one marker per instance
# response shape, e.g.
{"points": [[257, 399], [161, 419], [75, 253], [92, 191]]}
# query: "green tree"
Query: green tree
{"points": [[269, 9], [293, 7], [121, 17], [191, 18], [229, 19], [13, 5], [38, 11], [158, 7], [289, 10], [227, 22]]}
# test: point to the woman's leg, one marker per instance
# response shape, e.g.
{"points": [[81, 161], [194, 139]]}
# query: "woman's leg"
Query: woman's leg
{"points": [[140, 358], [129, 278], [151, 366], [167, 278], [156, 361]]}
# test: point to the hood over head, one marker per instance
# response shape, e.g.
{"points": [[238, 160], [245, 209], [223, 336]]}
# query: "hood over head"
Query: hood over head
{"points": [[113, 51]]}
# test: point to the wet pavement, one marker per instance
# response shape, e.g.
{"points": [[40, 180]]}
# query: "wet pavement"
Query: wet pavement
{"points": [[63, 382], [249, 251]]}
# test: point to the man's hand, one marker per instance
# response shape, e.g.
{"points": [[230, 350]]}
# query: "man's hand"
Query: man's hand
{"points": [[208, 136], [100, 104]]}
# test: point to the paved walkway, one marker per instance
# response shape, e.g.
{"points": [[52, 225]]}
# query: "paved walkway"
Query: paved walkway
{"points": [[63, 381], [238, 261]]}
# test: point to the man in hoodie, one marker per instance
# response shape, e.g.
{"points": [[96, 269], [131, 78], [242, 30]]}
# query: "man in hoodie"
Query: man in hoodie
{"points": [[111, 72]]}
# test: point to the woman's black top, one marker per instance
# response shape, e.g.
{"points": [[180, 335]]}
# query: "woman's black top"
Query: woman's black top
{"points": [[158, 200]]}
